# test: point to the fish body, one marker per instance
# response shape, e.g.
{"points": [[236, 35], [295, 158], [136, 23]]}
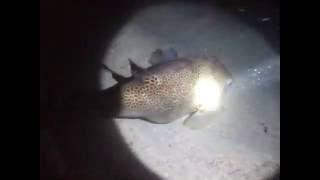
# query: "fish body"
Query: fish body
{"points": [[165, 91]]}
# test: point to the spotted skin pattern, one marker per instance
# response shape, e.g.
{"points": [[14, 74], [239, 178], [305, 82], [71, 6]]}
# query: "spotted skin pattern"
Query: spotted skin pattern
{"points": [[164, 92]]}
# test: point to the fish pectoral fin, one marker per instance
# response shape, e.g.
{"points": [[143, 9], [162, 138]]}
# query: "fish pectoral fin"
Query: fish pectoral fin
{"points": [[189, 117], [199, 120]]}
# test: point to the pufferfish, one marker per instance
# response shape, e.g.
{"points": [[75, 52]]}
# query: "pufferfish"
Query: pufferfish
{"points": [[173, 88]]}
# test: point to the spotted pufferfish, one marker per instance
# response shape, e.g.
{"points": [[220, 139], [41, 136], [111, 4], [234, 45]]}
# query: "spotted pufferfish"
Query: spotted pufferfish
{"points": [[167, 90]]}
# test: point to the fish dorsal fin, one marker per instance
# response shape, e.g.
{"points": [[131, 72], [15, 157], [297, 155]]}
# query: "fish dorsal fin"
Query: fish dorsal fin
{"points": [[170, 54], [156, 57], [116, 76], [159, 56], [135, 69]]}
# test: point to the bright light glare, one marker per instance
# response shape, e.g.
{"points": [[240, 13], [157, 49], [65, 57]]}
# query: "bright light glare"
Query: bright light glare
{"points": [[207, 94]]}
